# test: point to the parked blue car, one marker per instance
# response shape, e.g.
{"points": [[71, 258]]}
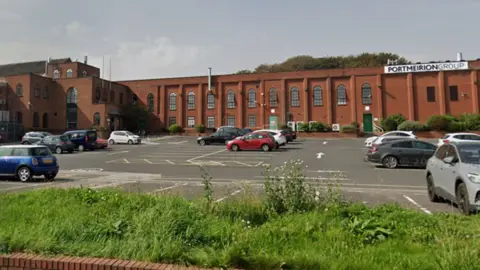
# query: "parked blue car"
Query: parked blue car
{"points": [[25, 161]]}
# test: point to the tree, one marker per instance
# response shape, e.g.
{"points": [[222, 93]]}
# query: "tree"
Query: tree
{"points": [[134, 116], [244, 71], [307, 62]]}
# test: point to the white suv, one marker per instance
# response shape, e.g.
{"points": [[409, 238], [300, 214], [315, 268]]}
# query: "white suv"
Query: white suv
{"points": [[458, 137], [124, 136], [395, 133]]}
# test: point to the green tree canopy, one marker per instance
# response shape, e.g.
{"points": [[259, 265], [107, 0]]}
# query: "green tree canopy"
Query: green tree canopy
{"points": [[307, 62], [134, 116]]}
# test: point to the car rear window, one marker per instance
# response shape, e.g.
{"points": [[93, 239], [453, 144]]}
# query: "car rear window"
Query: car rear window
{"points": [[40, 151], [92, 135]]}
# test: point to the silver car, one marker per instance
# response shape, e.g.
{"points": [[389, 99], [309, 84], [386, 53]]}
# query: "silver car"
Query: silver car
{"points": [[453, 174]]}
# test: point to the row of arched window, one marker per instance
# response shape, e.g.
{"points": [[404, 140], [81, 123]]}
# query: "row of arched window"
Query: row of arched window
{"points": [[342, 98], [36, 119], [36, 91], [56, 74]]}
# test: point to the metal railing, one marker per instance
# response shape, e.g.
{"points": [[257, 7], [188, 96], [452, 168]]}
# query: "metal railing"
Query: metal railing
{"points": [[11, 131]]}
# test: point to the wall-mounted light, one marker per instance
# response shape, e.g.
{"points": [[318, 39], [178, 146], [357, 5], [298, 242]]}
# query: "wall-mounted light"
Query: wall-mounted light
{"points": [[262, 94], [463, 94], [306, 89], [380, 86]]}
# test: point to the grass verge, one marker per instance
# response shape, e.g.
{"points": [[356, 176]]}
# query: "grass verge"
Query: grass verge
{"points": [[293, 227]]}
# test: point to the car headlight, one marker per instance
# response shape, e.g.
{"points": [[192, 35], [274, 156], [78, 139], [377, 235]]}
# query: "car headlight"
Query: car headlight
{"points": [[474, 177]]}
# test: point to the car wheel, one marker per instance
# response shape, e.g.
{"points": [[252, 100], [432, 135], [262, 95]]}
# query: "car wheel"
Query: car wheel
{"points": [[130, 142], [81, 148], [201, 142], [50, 176], [390, 162], [266, 148], [24, 174], [432, 195], [235, 148], [111, 142], [25, 142], [462, 199], [58, 150]]}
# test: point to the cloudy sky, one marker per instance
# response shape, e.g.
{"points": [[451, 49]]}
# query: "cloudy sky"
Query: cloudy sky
{"points": [[161, 38]]}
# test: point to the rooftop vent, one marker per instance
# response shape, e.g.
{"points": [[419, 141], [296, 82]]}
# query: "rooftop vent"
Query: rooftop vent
{"points": [[459, 56]]}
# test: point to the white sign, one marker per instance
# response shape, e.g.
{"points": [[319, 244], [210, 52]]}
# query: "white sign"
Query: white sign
{"points": [[272, 110], [367, 108], [320, 155], [427, 67]]}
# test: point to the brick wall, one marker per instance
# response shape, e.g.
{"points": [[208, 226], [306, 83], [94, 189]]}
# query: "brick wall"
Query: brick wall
{"points": [[20, 261]]}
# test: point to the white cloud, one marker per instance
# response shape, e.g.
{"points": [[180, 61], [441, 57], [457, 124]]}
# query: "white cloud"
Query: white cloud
{"points": [[6, 16], [151, 58]]}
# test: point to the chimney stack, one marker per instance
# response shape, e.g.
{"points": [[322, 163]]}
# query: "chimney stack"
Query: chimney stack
{"points": [[85, 59], [459, 56]]}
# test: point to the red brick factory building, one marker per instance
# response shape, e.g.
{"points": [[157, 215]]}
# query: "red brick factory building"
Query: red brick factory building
{"points": [[60, 94]]}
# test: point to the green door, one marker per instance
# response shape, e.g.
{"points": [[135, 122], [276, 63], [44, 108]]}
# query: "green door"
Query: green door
{"points": [[367, 122], [273, 122]]}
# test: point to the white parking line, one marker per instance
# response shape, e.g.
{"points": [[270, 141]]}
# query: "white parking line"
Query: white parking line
{"points": [[206, 155], [258, 164], [241, 163], [169, 162], [126, 161], [231, 195], [178, 142], [417, 205], [148, 161], [167, 188], [116, 153]]}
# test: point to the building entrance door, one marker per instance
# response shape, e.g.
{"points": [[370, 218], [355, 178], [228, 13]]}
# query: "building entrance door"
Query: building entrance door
{"points": [[367, 122]]}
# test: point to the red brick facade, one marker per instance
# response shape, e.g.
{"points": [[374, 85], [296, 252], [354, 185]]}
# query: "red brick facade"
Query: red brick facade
{"points": [[337, 96]]}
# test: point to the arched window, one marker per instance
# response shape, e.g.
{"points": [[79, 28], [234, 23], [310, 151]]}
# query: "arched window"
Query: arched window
{"points": [[19, 90], [210, 101], [366, 94], [69, 73], [273, 98], [150, 102], [252, 98], [172, 102], [341, 95], [231, 99], [191, 101], [98, 94], [84, 73], [112, 96], [56, 74], [45, 120], [72, 108], [294, 97], [96, 119], [45, 93], [317, 96], [36, 91], [36, 120]]}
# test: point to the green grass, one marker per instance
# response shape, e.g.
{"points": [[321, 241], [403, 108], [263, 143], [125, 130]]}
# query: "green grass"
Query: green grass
{"points": [[109, 223]]}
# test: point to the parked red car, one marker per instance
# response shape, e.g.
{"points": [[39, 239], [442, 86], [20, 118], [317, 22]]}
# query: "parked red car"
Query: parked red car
{"points": [[101, 143], [253, 141]]}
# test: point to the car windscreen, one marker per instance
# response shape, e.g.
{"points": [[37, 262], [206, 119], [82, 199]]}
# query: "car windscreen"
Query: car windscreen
{"points": [[92, 135], [64, 138], [40, 151], [469, 153]]}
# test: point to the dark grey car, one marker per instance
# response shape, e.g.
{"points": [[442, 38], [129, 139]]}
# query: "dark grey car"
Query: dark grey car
{"points": [[34, 137], [58, 144], [406, 152]]}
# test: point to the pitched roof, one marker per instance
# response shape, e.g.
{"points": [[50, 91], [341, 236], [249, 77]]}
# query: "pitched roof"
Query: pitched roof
{"points": [[37, 67]]}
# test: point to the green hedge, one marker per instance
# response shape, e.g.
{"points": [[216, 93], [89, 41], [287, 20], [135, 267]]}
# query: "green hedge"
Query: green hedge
{"points": [[412, 126], [175, 129], [348, 129]]}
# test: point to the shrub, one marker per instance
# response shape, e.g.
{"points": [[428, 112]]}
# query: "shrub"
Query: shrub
{"points": [[472, 121], [284, 126], [175, 129], [456, 127], [200, 128], [318, 127], [303, 127], [439, 122], [348, 129], [391, 122], [412, 126], [356, 125]]}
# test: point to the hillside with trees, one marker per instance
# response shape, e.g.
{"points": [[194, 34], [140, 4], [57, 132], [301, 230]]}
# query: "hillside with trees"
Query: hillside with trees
{"points": [[307, 62]]}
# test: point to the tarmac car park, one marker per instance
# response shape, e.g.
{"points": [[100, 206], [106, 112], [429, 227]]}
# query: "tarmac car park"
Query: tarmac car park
{"points": [[171, 164]]}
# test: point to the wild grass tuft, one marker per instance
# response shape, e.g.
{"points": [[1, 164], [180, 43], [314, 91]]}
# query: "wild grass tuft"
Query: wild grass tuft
{"points": [[295, 225]]}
